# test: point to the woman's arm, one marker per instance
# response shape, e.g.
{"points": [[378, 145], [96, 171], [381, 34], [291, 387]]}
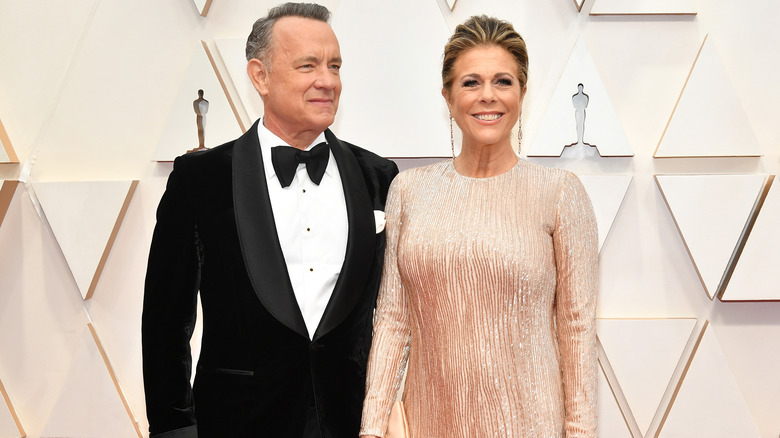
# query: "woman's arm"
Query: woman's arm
{"points": [[575, 240], [392, 333]]}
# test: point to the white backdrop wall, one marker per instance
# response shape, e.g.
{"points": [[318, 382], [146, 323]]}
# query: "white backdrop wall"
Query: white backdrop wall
{"points": [[87, 87]]}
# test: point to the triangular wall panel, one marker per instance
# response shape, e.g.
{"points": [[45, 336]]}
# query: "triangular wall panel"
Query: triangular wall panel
{"points": [[7, 191], [602, 128], [643, 354], [756, 275], [643, 7], [606, 193], [708, 119], [709, 402], [231, 53], [7, 153], [220, 122], [611, 421], [711, 212], [378, 92], [85, 217], [203, 6], [10, 426], [33, 83], [89, 404], [619, 420]]}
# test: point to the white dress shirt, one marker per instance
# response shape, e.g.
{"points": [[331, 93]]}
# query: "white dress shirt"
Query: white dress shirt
{"points": [[311, 223]]}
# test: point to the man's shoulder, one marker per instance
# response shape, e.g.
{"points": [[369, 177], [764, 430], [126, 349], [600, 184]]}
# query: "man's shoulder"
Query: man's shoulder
{"points": [[370, 159], [207, 157], [377, 172]]}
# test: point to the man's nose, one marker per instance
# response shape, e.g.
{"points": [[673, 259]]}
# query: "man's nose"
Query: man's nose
{"points": [[326, 78]]}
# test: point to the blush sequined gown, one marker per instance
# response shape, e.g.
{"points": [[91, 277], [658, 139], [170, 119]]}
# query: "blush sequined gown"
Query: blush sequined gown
{"points": [[488, 304]]}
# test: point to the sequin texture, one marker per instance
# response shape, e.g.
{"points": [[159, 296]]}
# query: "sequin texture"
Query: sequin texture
{"points": [[488, 302]]}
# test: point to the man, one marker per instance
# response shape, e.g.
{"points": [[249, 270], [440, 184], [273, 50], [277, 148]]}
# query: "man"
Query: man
{"points": [[287, 262]]}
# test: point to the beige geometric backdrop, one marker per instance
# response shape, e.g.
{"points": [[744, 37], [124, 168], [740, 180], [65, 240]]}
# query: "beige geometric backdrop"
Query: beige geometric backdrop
{"points": [[681, 153]]}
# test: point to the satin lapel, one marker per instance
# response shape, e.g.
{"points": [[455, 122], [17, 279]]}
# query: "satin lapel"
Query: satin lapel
{"points": [[360, 239], [257, 234]]}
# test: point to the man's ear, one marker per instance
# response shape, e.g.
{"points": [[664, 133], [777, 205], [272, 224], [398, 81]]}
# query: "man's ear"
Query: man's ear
{"points": [[258, 74]]}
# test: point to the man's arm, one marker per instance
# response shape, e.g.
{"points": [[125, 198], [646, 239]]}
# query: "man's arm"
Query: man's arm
{"points": [[169, 313]]}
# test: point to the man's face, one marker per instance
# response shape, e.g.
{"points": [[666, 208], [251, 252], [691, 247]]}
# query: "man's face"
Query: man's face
{"points": [[302, 87]]}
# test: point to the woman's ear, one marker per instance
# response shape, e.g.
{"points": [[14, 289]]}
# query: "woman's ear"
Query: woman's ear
{"points": [[446, 94], [522, 96], [258, 74]]}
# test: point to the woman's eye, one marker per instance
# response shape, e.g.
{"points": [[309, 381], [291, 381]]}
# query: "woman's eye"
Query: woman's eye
{"points": [[470, 83], [505, 82]]}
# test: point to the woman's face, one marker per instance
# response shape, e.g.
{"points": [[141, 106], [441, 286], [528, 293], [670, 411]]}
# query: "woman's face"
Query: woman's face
{"points": [[485, 96]]}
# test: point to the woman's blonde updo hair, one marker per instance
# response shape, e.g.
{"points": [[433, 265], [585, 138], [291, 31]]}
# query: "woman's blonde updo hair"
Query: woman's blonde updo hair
{"points": [[481, 30]]}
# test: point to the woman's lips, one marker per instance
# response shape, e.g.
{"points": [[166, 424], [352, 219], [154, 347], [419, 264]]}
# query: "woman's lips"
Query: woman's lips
{"points": [[487, 117]]}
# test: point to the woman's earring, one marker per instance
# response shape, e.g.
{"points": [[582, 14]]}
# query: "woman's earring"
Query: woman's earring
{"points": [[452, 138], [519, 131]]}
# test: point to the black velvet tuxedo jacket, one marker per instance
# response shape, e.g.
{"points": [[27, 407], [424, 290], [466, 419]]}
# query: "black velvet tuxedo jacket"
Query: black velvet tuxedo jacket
{"points": [[259, 372]]}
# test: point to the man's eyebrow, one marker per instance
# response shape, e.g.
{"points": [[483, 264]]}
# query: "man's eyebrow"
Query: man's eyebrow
{"points": [[309, 58], [313, 58]]}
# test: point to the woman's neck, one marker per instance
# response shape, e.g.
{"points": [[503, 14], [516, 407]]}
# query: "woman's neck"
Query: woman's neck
{"points": [[486, 160]]}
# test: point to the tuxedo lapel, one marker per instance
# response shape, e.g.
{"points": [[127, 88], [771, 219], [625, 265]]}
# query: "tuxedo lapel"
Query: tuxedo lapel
{"points": [[257, 234], [360, 239]]}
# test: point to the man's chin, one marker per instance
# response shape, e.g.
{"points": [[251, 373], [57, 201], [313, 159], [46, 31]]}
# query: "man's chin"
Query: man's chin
{"points": [[322, 123]]}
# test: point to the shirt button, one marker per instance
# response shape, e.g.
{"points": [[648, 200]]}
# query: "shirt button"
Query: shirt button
{"points": [[308, 229], [311, 269], [304, 190]]}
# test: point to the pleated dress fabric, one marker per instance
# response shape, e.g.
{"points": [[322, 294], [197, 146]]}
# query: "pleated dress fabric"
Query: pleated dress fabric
{"points": [[488, 303]]}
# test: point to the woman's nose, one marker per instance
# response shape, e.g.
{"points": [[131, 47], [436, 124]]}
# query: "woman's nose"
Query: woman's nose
{"points": [[488, 93]]}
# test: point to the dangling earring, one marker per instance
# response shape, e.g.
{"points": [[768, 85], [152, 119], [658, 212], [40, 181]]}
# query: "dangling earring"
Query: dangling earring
{"points": [[452, 138], [519, 131]]}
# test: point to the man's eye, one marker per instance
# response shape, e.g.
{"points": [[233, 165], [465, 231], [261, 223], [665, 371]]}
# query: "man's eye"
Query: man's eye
{"points": [[335, 67]]}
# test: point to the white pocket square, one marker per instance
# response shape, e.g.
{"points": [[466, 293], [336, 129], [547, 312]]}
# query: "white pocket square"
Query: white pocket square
{"points": [[379, 220]]}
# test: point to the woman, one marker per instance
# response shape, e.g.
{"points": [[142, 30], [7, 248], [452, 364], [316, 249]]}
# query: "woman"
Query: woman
{"points": [[490, 278]]}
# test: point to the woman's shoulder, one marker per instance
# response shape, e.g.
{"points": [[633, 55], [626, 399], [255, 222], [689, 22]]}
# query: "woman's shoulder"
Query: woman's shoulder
{"points": [[415, 174], [552, 176], [551, 182], [414, 181], [539, 168]]}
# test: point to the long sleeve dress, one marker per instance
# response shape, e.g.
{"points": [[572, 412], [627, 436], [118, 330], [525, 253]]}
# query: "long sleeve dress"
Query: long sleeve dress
{"points": [[487, 303]]}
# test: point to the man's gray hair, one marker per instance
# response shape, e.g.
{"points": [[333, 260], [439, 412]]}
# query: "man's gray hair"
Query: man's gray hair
{"points": [[258, 45]]}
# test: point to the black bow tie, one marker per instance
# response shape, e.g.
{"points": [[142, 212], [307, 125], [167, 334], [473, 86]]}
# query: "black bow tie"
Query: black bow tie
{"points": [[286, 159]]}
